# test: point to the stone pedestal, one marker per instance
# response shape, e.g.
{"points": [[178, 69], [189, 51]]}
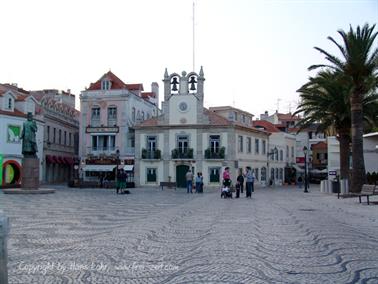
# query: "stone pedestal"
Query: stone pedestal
{"points": [[30, 174], [29, 179], [4, 231]]}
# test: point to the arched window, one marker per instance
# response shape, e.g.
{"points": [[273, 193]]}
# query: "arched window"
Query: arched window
{"points": [[112, 115]]}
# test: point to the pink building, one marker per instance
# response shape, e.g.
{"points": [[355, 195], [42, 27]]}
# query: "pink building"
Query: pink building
{"points": [[110, 109]]}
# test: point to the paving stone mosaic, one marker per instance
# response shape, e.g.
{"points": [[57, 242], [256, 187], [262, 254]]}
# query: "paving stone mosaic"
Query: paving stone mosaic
{"points": [[281, 235]]}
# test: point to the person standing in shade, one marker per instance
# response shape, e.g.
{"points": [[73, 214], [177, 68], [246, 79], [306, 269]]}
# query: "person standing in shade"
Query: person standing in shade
{"points": [[189, 181], [240, 179], [198, 183], [249, 182], [201, 182], [300, 181]]}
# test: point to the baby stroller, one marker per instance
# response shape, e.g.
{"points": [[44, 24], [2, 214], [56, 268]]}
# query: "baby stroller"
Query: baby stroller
{"points": [[226, 190]]}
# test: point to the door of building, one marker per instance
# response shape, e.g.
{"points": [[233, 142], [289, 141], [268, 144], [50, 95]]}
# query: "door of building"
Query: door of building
{"points": [[181, 171]]}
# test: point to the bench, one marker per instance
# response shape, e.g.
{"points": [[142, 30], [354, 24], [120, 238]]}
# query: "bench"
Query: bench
{"points": [[367, 190], [167, 184]]}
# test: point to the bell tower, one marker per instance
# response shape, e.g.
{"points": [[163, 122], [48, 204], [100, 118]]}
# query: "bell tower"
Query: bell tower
{"points": [[183, 97]]}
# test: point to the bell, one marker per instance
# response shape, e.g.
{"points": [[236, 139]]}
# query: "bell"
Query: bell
{"points": [[174, 83], [192, 83]]}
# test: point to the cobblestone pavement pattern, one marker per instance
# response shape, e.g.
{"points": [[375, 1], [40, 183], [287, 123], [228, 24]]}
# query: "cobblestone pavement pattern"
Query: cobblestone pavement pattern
{"points": [[280, 236]]}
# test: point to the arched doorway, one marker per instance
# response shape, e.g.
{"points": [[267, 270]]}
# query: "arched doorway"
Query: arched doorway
{"points": [[181, 171]]}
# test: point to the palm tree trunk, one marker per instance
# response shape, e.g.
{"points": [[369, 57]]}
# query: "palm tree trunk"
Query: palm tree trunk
{"points": [[344, 140], [358, 164]]}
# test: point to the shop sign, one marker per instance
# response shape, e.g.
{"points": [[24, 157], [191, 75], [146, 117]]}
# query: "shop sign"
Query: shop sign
{"points": [[114, 129]]}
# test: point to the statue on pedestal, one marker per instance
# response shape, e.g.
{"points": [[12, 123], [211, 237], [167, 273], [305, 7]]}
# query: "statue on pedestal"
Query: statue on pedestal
{"points": [[28, 136]]}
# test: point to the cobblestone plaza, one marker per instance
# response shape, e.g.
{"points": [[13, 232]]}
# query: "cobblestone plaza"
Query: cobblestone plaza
{"points": [[281, 235]]}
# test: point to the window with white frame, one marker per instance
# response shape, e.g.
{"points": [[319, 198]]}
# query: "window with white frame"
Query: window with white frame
{"points": [[240, 143], [214, 174], [263, 147], [287, 151], [95, 113], [292, 151], [214, 143], [151, 174], [151, 143], [105, 85], [133, 113], [257, 144], [182, 143], [249, 144], [112, 113], [281, 174], [281, 155]]}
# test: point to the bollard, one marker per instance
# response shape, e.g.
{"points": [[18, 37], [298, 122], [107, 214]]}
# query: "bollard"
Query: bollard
{"points": [[4, 230]]}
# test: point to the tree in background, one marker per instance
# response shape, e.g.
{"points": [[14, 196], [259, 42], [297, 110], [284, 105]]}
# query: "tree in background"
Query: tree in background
{"points": [[359, 64]]}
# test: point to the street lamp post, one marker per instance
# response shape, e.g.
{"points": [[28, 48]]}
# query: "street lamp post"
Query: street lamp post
{"points": [[272, 153], [305, 177], [116, 172]]}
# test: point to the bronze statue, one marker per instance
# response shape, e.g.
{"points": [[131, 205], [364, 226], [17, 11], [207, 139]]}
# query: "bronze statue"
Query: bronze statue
{"points": [[29, 130]]}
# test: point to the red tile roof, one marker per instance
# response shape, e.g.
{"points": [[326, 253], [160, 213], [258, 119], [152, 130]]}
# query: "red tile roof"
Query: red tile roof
{"points": [[146, 95], [149, 122], [320, 146], [13, 113], [287, 117], [216, 119], [266, 125], [135, 87], [116, 83]]}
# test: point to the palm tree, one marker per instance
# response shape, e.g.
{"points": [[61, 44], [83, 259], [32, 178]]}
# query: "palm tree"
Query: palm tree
{"points": [[325, 99], [359, 64]]}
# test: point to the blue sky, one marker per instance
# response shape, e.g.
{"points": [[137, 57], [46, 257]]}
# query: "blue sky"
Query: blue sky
{"points": [[255, 54]]}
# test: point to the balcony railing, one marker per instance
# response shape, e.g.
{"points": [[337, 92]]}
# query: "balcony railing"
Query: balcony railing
{"points": [[107, 151], [152, 155], [211, 154], [179, 153], [95, 122]]}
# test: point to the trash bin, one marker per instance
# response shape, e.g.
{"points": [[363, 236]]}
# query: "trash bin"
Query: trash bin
{"points": [[335, 186]]}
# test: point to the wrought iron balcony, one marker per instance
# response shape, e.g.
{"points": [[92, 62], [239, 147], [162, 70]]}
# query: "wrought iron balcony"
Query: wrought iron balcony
{"points": [[99, 151], [179, 153], [211, 153], [151, 155]]}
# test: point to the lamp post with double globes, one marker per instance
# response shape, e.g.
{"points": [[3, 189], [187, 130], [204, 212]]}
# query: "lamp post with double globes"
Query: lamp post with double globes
{"points": [[305, 150], [116, 171], [269, 154]]}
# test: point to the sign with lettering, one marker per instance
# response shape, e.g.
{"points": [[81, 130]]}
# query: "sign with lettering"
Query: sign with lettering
{"points": [[13, 133], [332, 173], [114, 129]]}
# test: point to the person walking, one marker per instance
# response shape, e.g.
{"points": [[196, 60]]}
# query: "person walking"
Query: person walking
{"points": [[189, 181], [249, 182], [198, 183], [240, 179]]}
